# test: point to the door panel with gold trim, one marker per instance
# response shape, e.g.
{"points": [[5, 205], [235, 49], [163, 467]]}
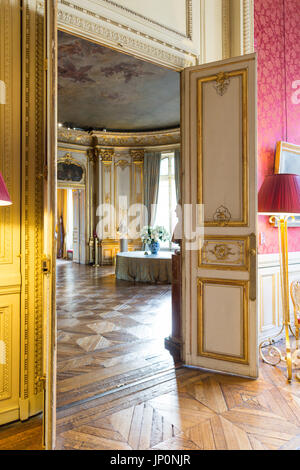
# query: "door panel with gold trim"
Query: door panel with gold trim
{"points": [[50, 208], [219, 182]]}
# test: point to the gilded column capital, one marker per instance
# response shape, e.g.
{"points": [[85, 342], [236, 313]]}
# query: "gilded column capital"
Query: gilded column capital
{"points": [[105, 154], [137, 155], [92, 155]]}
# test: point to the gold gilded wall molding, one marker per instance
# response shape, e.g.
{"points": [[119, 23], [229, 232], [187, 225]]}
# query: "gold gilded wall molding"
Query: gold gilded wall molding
{"points": [[72, 136], [137, 139], [6, 230], [118, 139], [70, 160], [226, 29], [222, 83], [106, 155], [92, 155], [137, 155], [6, 339], [244, 340], [225, 253], [71, 17], [228, 221], [32, 204], [10, 230]]}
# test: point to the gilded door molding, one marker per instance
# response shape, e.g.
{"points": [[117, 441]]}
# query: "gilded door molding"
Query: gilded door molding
{"points": [[225, 253], [243, 357], [32, 206], [219, 293], [222, 81]]}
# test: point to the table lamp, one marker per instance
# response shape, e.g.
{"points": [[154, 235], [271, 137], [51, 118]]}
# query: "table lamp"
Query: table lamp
{"points": [[279, 197], [4, 196]]}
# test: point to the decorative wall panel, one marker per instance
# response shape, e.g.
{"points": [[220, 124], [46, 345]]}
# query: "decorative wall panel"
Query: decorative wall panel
{"points": [[9, 356], [224, 133], [270, 304], [6, 352], [33, 173], [228, 311], [10, 270], [224, 253]]}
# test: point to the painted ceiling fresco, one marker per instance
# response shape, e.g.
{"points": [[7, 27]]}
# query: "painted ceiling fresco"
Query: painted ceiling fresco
{"points": [[102, 88]]}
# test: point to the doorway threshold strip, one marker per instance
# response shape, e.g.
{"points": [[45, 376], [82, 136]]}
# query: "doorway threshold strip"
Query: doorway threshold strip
{"points": [[165, 376]]}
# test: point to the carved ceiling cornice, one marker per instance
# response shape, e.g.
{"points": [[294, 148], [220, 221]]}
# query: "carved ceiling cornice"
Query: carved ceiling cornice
{"points": [[94, 24], [118, 139], [71, 136], [136, 139]]}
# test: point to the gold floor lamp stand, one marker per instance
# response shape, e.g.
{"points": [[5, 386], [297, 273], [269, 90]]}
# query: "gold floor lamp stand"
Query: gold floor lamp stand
{"points": [[274, 354]]}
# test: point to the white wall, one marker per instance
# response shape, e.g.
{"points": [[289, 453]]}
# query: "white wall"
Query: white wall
{"points": [[269, 292]]}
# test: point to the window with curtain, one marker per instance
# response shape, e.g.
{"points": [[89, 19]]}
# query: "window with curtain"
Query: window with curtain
{"points": [[166, 204]]}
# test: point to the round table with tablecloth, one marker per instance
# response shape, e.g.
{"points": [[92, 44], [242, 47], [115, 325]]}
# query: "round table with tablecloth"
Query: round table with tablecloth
{"points": [[137, 267]]}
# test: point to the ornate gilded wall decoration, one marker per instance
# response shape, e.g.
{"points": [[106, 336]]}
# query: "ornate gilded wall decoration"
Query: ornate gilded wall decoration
{"points": [[225, 252], [222, 216], [137, 155], [136, 139], [222, 83], [221, 251], [92, 155], [106, 155], [69, 170]]}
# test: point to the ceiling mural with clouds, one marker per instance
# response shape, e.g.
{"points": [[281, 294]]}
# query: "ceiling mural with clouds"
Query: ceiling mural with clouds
{"points": [[102, 88]]}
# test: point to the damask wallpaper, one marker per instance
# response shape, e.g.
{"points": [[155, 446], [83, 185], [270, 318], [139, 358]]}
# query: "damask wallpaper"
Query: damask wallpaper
{"points": [[277, 42]]}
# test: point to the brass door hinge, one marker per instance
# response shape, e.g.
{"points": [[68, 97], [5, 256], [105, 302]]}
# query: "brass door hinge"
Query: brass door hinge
{"points": [[46, 265]]}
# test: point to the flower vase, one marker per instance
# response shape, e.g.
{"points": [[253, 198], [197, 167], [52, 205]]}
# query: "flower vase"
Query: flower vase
{"points": [[154, 248]]}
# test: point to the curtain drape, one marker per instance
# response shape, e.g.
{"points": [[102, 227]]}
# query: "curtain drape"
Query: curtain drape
{"points": [[151, 178], [177, 175]]}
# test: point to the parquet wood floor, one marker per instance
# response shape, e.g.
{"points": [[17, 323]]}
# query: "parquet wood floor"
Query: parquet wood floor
{"points": [[183, 409], [110, 332], [192, 410], [180, 409], [25, 435]]}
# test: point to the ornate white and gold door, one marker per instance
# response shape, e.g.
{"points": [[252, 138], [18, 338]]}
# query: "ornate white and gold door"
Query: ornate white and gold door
{"points": [[219, 183], [50, 193]]}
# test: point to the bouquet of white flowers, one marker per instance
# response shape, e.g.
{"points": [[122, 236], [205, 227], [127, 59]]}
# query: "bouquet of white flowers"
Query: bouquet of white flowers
{"points": [[154, 234]]}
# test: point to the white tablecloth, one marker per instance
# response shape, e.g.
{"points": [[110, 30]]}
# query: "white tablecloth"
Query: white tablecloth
{"points": [[138, 267]]}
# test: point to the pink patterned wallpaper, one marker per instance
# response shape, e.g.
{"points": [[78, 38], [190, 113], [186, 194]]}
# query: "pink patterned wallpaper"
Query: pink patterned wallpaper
{"points": [[277, 43]]}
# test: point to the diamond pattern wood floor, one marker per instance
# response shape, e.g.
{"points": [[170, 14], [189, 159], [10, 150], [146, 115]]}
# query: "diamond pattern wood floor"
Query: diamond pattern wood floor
{"points": [[110, 332], [190, 411], [180, 409]]}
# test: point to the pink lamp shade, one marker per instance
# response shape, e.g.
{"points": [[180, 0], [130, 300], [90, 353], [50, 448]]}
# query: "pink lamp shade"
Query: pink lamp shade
{"points": [[4, 196], [280, 194]]}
